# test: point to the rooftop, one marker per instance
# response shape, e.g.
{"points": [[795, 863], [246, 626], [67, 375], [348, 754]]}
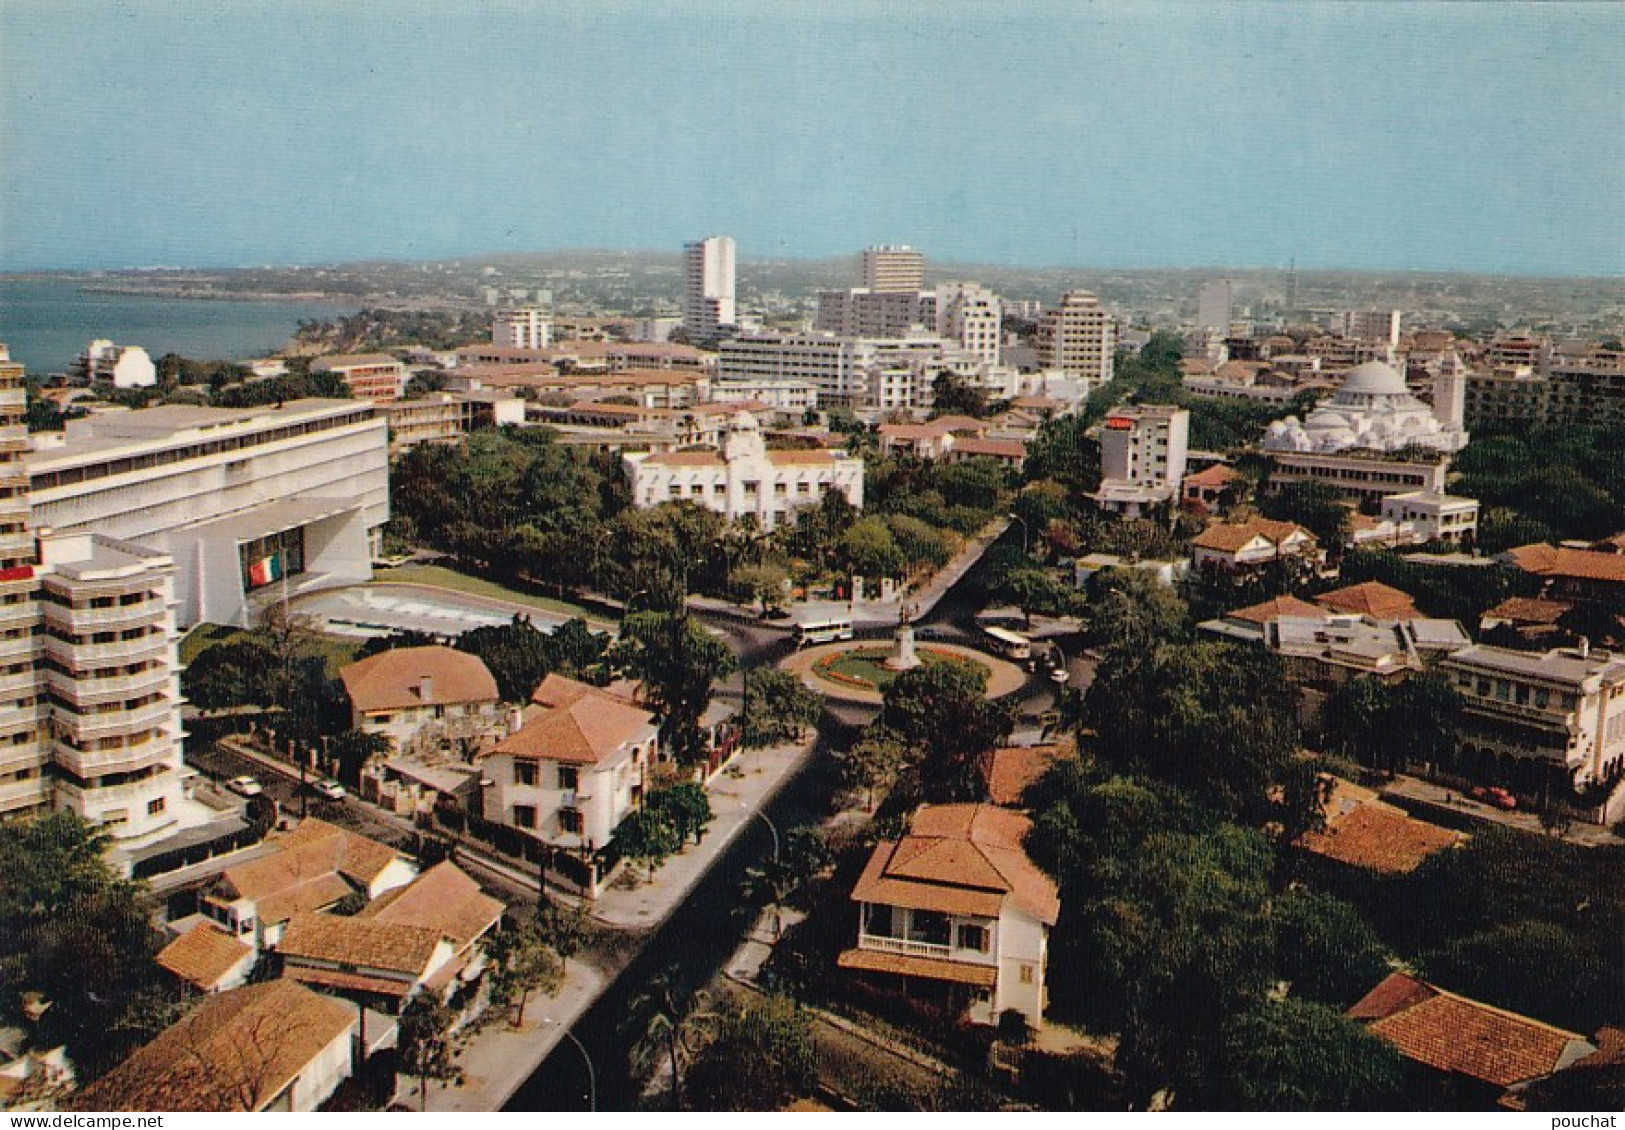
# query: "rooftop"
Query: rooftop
{"points": [[584, 729], [443, 899], [1364, 831], [203, 955], [1371, 598], [396, 679], [366, 943], [1578, 564]]}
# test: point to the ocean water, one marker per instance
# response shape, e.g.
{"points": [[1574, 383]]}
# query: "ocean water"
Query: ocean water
{"points": [[47, 322]]}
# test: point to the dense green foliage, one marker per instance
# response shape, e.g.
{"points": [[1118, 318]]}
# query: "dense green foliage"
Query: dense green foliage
{"points": [[677, 660], [760, 1059], [1295, 1055], [1545, 483], [1387, 726], [943, 710], [778, 707]]}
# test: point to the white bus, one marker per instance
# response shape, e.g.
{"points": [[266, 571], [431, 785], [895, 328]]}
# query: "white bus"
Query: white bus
{"points": [[826, 630], [1012, 645]]}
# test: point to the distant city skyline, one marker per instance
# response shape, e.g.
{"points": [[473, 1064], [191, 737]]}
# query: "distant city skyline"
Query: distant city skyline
{"points": [[1389, 137]]}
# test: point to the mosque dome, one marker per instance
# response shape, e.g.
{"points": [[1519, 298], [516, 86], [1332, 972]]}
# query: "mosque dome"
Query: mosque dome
{"points": [[1373, 379]]}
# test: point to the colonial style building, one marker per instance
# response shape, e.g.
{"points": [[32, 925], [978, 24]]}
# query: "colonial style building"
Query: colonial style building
{"points": [[745, 477], [957, 908], [425, 699], [1254, 545], [369, 376]]}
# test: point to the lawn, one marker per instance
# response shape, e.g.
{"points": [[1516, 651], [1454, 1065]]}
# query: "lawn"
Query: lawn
{"points": [[864, 665], [438, 576], [337, 651]]}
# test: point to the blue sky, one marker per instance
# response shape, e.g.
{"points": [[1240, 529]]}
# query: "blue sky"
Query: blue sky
{"points": [[1484, 137]]}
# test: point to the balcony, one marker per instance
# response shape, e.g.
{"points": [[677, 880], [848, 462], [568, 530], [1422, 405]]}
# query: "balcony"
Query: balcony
{"points": [[90, 619], [131, 790], [1545, 717], [150, 646], [149, 716], [22, 794], [904, 945], [94, 692]]}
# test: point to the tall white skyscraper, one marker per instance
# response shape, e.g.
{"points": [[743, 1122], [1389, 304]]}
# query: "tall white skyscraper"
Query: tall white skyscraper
{"points": [[708, 286], [1213, 306], [528, 327], [972, 317], [893, 268]]}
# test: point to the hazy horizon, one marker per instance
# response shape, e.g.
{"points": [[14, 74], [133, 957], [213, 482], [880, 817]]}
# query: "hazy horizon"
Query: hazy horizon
{"points": [[1413, 137]]}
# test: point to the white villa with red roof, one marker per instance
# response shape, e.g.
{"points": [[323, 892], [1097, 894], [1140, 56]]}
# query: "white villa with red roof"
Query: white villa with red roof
{"points": [[424, 696], [959, 912]]}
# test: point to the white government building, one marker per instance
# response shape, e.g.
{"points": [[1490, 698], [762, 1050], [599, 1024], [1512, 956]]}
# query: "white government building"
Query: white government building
{"points": [[289, 497], [745, 477]]}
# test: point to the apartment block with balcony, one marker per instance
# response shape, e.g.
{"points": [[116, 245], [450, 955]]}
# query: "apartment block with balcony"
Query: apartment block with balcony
{"points": [[24, 785], [369, 376], [1142, 457], [958, 915], [1534, 720], [1079, 337]]}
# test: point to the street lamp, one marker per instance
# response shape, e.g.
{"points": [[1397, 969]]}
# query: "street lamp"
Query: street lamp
{"points": [[592, 1077], [762, 816], [1024, 531]]}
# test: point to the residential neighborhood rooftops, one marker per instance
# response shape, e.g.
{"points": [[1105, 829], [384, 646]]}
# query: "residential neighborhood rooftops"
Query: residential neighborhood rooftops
{"points": [[1576, 564], [406, 677], [1364, 831], [316, 865], [238, 1051], [1273, 609], [1230, 537], [586, 731], [1528, 610], [1013, 770], [960, 859], [364, 943], [1466, 1037]]}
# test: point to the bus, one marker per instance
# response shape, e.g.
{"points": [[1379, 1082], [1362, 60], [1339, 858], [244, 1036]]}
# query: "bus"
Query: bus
{"points": [[1011, 645], [826, 630]]}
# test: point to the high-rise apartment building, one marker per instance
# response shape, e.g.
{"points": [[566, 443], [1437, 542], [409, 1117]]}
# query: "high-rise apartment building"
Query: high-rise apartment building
{"points": [[1214, 306], [1079, 337], [708, 287], [972, 317], [1143, 451], [1380, 326], [528, 327], [89, 683], [893, 268]]}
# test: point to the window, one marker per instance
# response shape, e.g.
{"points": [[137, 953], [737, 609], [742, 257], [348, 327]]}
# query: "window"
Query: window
{"points": [[524, 773], [880, 920], [570, 820], [524, 815], [1026, 974], [154, 807], [569, 778], [929, 926], [973, 938]]}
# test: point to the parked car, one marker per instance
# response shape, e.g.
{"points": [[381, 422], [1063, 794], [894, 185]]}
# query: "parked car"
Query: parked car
{"points": [[245, 786], [329, 788], [1493, 795]]}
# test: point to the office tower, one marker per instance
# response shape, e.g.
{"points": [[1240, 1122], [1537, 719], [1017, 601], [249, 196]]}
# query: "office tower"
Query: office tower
{"points": [[708, 286], [893, 268], [1213, 306], [1079, 337], [972, 317], [525, 328]]}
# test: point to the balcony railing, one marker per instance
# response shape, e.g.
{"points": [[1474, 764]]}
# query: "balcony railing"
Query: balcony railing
{"points": [[903, 945]]}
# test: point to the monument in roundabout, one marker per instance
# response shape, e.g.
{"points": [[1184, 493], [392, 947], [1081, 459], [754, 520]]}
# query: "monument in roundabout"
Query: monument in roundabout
{"points": [[903, 656]]}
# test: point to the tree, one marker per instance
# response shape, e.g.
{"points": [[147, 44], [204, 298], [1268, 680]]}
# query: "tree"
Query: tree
{"points": [[1535, 968], [352, 749], [1293, 1055], [1386, 726], [870, 550], [517, 655], [686, 807], [943, 709], [1325, 949], [522, 963], [1130, 613], [566, 929], [761, 1059], [677, 661], [1316, 506], [428, 1048], [875, 760], [1036, 590], [953, 395], [778, 707], [647, 837], [72, 930], [230, 674]]}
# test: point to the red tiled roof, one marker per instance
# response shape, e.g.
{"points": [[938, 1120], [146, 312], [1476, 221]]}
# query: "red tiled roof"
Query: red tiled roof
{"points": [[365, 942], [1013, 770], [1465, 1037], [1274, 609], [316, 865], [1218, 475], [1529, 610], [1230, 538], [932, 968], [203, 955], [237, 1051], [584, 732], [960, 858], [393, 680], [685, 459], [1578, 564], [1371, 598], [995, 448], [443, 899]]}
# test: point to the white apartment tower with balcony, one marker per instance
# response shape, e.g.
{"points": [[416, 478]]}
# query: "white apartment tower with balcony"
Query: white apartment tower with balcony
{"points": [[708, 286], [528, 327], [889, 268], [89, 676], [1079, 337], [972, 317], [1143, 452]]}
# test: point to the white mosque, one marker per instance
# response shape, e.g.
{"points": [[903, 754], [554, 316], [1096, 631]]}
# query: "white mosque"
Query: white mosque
{"points": [[1374, 410]]}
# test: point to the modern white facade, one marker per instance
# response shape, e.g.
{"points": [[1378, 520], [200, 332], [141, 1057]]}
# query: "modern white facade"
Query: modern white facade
{"points": [[744, 477], [1368, 325], [529, 327], [708, 286], [1079, 337], [1433, 516], [861, 312], [1143, 451], [971, 317], [242, 499], [127, 367]]}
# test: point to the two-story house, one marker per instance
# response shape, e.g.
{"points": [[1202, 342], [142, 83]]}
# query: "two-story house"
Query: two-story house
{"points": [[575, 767], [425, 699], [1253, 545], [958, 914]]}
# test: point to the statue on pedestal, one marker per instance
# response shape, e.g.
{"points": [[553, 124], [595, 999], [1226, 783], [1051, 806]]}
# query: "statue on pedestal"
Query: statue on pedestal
{"points": [[903, 657]]}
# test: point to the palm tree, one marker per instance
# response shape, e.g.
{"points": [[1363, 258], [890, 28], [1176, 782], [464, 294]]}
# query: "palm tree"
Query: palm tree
{"points": [[672, 1024]]}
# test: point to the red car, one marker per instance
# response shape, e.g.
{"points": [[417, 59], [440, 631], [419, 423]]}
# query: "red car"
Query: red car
{"points": [[1495, 796]]}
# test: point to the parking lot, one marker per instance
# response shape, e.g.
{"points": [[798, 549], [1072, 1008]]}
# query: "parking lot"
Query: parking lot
{"points": [[377, 610]]}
